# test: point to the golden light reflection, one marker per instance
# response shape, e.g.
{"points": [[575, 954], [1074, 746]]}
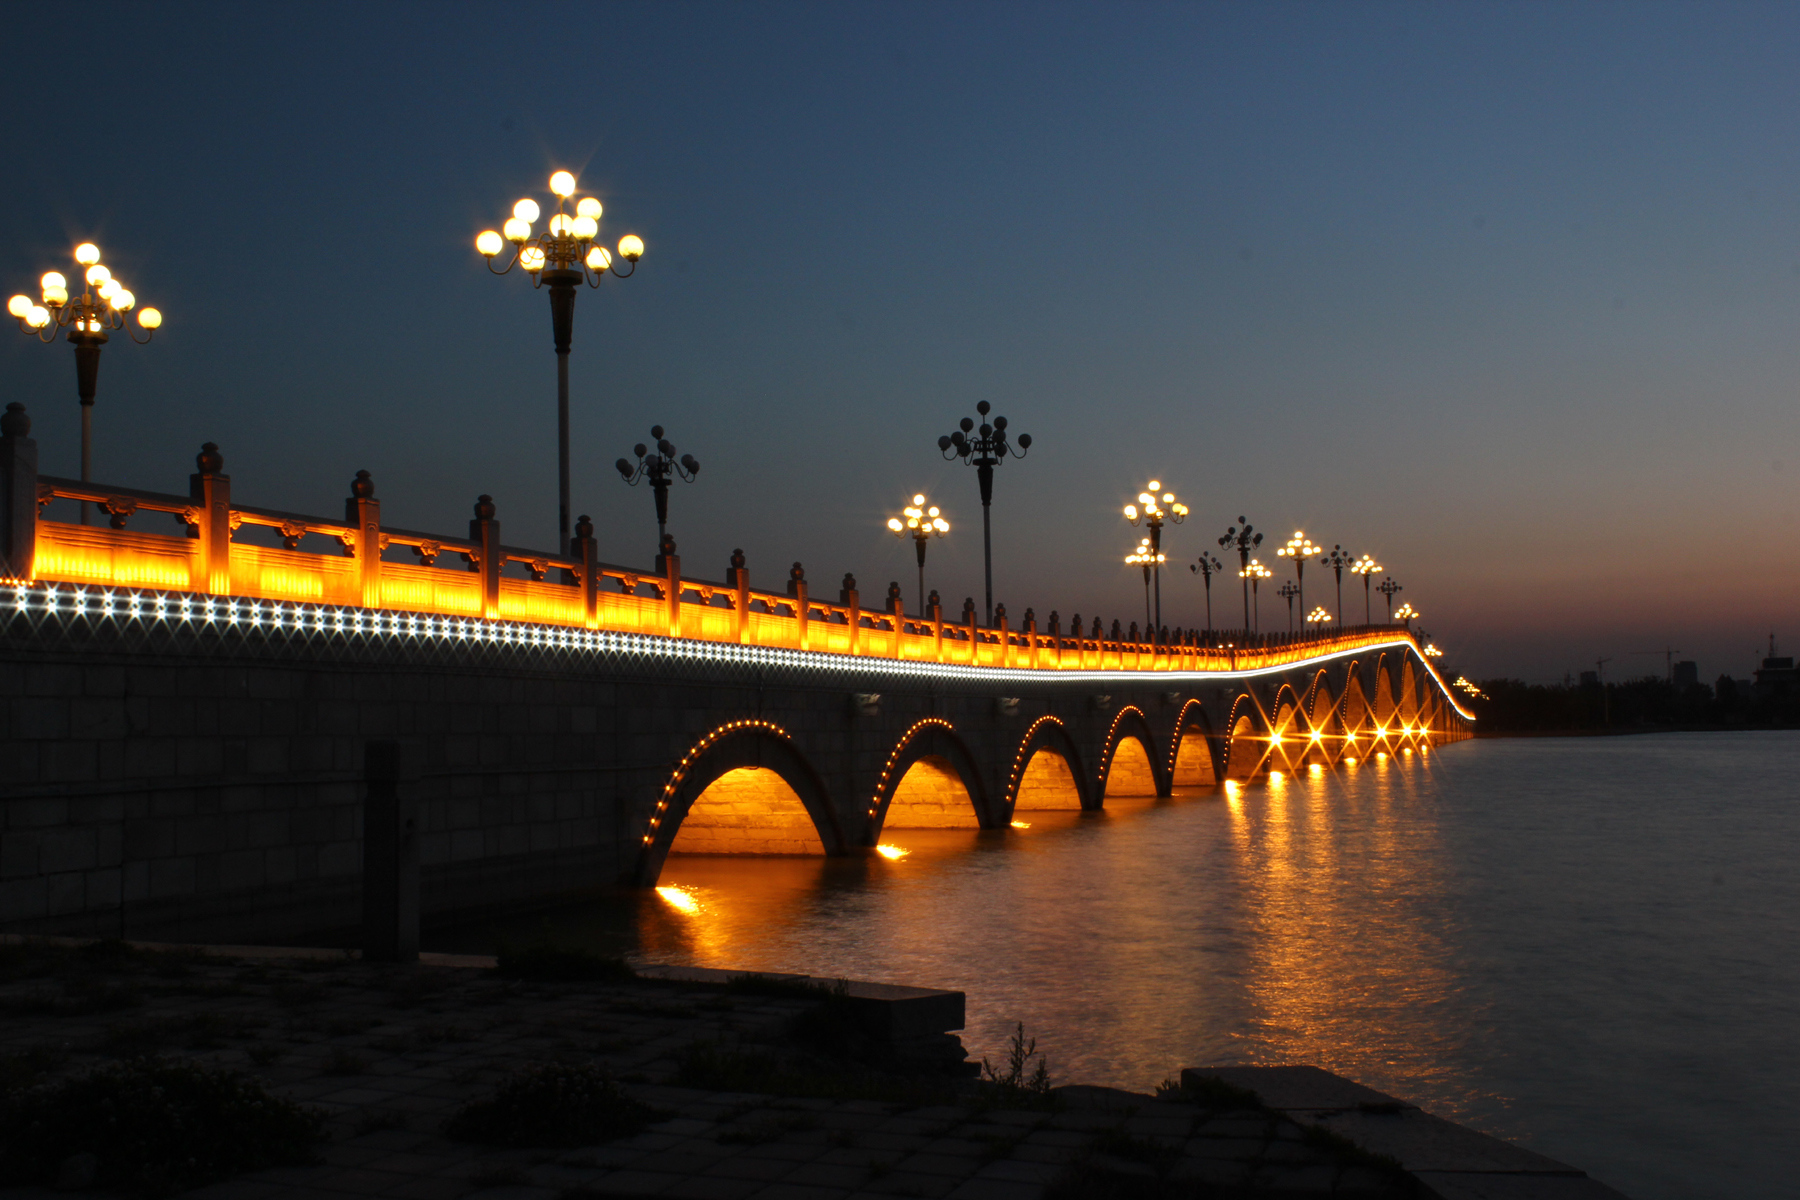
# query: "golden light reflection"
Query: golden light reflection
{"points": [[892, 852], [679, 898], [1021, 824], [1315, 769]]}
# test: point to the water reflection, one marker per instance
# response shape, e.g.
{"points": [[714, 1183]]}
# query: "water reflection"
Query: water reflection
{"points": [[1533, 937]]}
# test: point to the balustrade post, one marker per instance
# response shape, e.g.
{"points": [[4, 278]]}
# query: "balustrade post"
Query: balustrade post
{"points": [[1031, 645], [1056, 637], [1005, 641], [848, 598], [896, 604], [797, 589], [969, 620], [668, 565], [484, 531], [212, 572], [18, 495], [934, 609], [738, 576], [362, 512], [588, 552]]}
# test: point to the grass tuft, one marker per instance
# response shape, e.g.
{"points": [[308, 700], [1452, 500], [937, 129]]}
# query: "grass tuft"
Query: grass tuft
{"points": [[156, 1127], [551, 1104]]}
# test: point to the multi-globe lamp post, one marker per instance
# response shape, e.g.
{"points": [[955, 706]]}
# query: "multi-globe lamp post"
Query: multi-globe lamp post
{"points": [[1153, 514], [99, 309], [1390, 588], [1147, 556], [920, 522], [1242, 538], [1338, 560], [1318, 616], [1368, 568], [659, 470], [1287, 591], [561, 258], [1407, 614], [1254, 573], [1299, 548], [984, 452], [1206, 568]]}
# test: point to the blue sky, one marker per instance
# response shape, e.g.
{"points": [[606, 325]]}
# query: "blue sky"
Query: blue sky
{"points": [[1505, 294]]}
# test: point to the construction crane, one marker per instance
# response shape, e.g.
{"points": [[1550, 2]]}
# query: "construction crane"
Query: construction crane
{"points": [[1668, 659]]}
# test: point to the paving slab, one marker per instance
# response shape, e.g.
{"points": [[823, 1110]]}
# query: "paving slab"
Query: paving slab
{"points": [[1446, 1185]]}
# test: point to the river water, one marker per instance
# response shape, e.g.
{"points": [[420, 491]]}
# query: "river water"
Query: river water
{"points": [[1588, 945]]}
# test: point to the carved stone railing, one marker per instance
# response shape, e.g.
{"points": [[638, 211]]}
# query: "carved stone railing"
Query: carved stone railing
{"points": [[573, 589]]}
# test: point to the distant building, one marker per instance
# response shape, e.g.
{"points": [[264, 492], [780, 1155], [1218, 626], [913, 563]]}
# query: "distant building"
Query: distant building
{"points": [[1590, 679], [1777, 676], [1686, 675]]}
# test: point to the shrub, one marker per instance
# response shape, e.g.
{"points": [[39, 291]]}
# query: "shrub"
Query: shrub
{"points": [[1209, 1091], [156, 1127], [551, 1104], [1016, 1078]]}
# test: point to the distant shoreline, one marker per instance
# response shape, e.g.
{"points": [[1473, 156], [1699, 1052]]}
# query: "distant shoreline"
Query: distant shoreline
{"points": [[1584, 733]]}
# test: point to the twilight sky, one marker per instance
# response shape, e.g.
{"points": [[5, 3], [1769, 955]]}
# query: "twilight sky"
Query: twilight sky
{"points": [[1507, 295]]}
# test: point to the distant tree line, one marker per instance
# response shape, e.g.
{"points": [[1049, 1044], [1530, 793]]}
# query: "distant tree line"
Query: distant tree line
{"points": [[1511, 706]]}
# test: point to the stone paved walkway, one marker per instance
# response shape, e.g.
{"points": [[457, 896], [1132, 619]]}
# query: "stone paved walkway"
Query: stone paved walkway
{"points": [[390, 1052]]}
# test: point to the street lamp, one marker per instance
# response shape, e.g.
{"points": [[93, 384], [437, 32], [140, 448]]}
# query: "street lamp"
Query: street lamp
{"points": [[1318, 616], [88, 318], [560, 258], [1406, 613], [984, 452], [1337, 560], [922, 523], [1299, 548], [1148, 557], [1367, 567], [660, 469], [1153, 515], [1390, 589], [1288, 591], [1239, 538], [1255, 573], [1206, 568]]}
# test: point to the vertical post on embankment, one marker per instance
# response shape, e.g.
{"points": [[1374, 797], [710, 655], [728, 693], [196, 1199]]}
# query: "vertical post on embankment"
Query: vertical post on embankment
{"points": [[18, 494], [390, 853]]}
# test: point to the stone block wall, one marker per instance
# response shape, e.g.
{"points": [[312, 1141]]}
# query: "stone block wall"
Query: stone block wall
{"points": [[748, 811], [931, 796]]}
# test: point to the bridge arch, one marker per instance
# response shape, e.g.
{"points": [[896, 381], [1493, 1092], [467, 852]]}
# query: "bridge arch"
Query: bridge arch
{"points": [[1129, 763], [1288, 730], [932, 746], [1324, 726], [1047, 772], [1245, 750], [1385, 703], [1191, 748], [737, 746]]}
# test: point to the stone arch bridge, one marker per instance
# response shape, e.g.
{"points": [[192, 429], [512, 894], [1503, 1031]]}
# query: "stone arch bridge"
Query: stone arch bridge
{"points": [[195, 725]]}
